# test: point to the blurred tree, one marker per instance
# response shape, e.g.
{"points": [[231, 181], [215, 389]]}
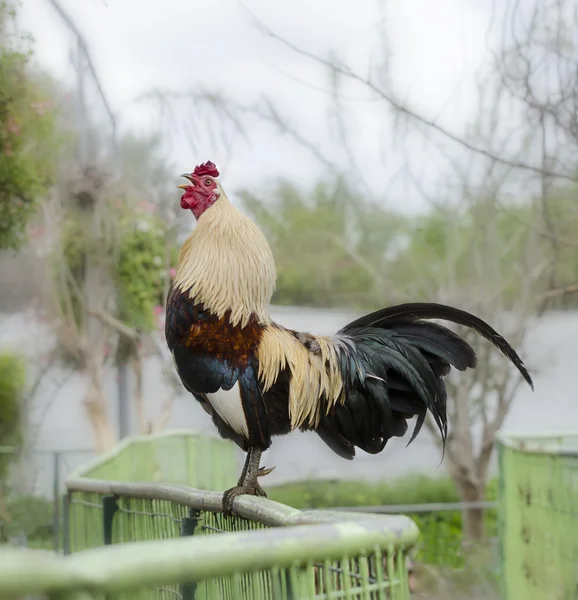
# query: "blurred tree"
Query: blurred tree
{"points": [[108, 230], [332, 249], [12, 383], [500, 240], [485, 261], [27, 133], [109, 269], [329, 244]]}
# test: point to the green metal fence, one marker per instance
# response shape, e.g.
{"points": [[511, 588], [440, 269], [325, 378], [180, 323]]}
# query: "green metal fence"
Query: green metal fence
{"points": [[161, 538], [539, 516], [178, 457], [331, 560], [268, 551]]}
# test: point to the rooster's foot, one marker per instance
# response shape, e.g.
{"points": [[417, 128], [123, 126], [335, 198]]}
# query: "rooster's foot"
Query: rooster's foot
{"points": [[230, 495], [248, 485]]}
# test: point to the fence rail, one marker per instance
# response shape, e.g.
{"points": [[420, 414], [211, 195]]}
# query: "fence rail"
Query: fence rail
{"points": [[289, 555], [267, 551], [170, 539], [261, 510]]}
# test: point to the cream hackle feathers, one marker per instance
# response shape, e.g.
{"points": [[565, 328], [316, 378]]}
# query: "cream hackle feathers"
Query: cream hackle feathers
{"points": [[227, 264], [313, 375]]}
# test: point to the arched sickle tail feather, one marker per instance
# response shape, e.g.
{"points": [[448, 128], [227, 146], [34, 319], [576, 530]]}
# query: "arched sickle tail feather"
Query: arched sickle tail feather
{"points": [[410, 312]]}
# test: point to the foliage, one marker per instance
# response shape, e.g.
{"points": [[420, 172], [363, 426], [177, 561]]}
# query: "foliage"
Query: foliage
{"points": [[27, 130], [141, 270], [456, 245], [335, 248], [414, 489], [12, 382], [134, 246], [30, 515], [441, 532], [328, 244], [133, 249]]}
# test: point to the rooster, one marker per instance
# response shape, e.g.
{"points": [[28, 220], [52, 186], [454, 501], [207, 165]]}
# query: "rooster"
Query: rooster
{"points": [[258, 379]]}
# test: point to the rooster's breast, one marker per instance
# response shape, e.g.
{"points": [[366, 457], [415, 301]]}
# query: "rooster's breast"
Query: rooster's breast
{"points": [[217, 361]]}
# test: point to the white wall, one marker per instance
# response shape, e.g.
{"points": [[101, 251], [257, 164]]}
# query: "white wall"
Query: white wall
{"points": [[60, 423]]}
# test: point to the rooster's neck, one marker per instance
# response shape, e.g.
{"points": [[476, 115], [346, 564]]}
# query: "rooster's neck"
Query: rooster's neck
{"points": [[227, 264]]}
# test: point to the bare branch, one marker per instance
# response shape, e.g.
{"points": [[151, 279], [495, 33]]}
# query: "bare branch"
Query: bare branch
{"points": [[560, 291], [403, 109], [115, 324], [164, 414]]}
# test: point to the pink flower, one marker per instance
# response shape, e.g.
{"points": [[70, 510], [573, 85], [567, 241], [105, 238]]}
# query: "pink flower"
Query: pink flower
{"points": [[12, 126], [40, 108], [172, 272], [148, 207], [36, 232]]}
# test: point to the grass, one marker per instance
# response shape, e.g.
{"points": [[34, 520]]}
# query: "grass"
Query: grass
{"points": [[31, 516], [440, 532], [414, 489]]}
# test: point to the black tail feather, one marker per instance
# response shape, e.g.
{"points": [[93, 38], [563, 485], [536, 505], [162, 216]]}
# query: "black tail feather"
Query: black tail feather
{"points": [[426, 310], [392, 364]]}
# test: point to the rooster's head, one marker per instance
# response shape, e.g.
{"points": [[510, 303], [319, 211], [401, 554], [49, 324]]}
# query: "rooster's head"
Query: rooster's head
{"points": [[202, 191]]}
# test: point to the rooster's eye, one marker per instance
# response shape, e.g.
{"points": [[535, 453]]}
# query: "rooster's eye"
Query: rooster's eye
{"points": [[208, 182]]}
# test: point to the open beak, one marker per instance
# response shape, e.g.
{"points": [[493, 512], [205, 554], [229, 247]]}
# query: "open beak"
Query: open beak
{"points": [[184, 186]]}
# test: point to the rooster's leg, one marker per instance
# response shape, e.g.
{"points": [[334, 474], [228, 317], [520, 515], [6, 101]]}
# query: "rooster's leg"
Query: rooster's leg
{"points": [[248, 482]]}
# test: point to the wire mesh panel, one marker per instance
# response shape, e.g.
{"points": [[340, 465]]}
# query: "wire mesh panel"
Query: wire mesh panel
{"points": [[362, 560], [106, 506], [361, 577], [84, 522], [372, 572], [351, 577], [539, 517]]}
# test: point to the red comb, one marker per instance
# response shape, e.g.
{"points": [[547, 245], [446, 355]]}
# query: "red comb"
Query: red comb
{"points": [[209, 168]]}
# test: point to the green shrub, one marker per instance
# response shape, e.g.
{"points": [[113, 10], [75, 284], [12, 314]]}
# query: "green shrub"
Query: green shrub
{"points": [[27, 130], [414, 489], [440, 532], [12, 382], [30, 515]]}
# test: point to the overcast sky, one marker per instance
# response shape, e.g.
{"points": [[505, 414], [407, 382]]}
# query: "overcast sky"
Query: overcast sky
{"points": [[136, 45]]}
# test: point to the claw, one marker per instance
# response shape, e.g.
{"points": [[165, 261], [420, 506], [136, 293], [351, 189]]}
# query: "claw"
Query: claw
{"points": [[263, 471]]}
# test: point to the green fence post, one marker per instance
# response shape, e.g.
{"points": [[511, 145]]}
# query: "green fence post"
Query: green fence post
{"points": [[188, 526], [109, 507], [66, 523], [56, 501], [502, 522]]}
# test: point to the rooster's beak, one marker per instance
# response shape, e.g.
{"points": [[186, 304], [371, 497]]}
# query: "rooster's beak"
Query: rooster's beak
{"points": [[184, 186]]}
